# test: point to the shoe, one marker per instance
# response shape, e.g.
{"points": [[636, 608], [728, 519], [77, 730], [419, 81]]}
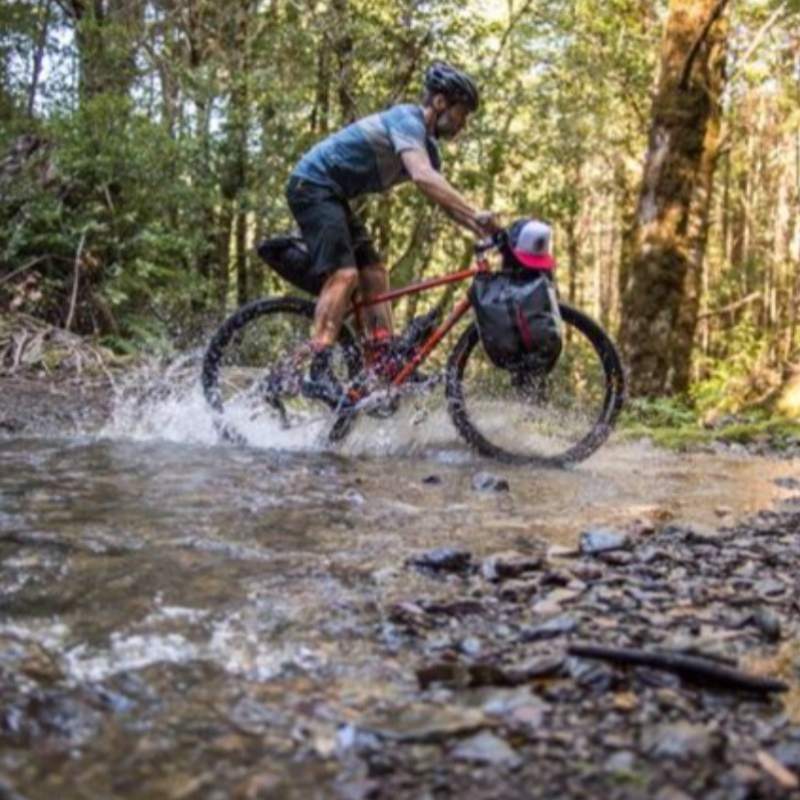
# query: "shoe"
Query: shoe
{"points": [[382, 358], [320, 382]]}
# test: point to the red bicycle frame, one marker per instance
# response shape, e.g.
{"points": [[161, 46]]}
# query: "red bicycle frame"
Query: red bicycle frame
{"points": [[482, 265]]}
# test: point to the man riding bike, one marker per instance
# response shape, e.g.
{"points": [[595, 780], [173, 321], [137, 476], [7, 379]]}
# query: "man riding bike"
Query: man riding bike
{"points": [[373, 155]]}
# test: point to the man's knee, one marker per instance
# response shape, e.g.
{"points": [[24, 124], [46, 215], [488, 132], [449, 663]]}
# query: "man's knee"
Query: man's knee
{"points": [[344, 279], [376, 270]]}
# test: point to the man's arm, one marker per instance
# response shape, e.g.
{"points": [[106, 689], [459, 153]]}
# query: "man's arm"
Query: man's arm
{"points": [[436, 188]]}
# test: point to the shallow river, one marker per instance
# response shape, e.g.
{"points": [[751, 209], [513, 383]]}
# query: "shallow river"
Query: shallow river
{"points": [[181, 619]]}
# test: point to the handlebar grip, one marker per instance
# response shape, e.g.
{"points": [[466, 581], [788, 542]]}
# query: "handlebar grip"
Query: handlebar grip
{"points": [[494, 242]]}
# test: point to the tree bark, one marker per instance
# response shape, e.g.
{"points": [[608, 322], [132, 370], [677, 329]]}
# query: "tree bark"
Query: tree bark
{"points": [[105, 33], [38, 55], [662, 292]]}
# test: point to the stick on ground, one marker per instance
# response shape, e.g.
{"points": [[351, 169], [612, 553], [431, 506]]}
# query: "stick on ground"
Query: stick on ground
{"points": [[698, 670]]}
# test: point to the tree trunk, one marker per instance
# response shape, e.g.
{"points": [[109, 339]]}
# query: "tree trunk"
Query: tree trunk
{"points": [[662, 291], [105, 32], [38, 55]]}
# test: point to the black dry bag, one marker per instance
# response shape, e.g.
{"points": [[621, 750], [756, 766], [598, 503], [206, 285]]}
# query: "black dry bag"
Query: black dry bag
{"points": [[518, 320], [288, 256]]}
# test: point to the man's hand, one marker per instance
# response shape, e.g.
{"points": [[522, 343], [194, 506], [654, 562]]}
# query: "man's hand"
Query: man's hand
{"points": [[487, 222]]}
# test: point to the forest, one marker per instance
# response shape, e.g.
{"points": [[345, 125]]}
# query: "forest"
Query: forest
{"points": [[145, 146]]}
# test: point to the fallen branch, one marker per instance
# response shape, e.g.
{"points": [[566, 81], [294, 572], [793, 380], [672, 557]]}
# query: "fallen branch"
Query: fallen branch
{"points": [[692, 668], [24, 268]]}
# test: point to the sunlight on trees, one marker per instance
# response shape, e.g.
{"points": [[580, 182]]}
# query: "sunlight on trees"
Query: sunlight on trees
{"points": [[161, 133]]}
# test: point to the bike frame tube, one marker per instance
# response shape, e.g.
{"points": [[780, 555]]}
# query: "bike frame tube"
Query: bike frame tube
{"points": [[431, 342], [414, 288]]}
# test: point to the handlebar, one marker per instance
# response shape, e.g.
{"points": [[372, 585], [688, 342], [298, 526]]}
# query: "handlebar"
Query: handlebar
{"points": [[496, 241]]}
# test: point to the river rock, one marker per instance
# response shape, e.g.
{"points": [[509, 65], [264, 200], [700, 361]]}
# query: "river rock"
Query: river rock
{"points": [[788, 753], [559, 626], [770, 587], [426, 723], [443, 559], [488, 482], [768, 623], [621, 761], [602, 540], [502, 566], [486, 748], [679, 740]]}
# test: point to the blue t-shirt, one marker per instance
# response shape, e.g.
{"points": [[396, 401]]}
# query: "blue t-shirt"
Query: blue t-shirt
{"points": [[365, 156]]}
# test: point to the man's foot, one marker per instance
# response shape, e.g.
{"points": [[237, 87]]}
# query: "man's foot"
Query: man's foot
{"points": [[320, 383]]}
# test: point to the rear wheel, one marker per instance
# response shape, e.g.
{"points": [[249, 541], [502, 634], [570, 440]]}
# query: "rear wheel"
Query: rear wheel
{"points": [[552, 419], [252, 372]]}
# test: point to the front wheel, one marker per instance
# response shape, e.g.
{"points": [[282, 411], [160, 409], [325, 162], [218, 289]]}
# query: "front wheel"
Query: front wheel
{"points": [[552, 419]]}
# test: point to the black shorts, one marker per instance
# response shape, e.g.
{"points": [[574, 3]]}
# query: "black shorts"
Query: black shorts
{"points": [[335, 236]]}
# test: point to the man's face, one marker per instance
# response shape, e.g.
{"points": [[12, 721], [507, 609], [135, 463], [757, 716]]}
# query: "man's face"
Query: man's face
{"points": [[452, 118]]}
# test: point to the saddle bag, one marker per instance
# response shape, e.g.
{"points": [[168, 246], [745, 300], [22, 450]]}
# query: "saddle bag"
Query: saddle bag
{"points": [[518, 320], [289, 257]]}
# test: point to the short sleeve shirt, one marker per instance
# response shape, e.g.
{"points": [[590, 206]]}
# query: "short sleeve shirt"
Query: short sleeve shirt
{"points": [[365, 157]]}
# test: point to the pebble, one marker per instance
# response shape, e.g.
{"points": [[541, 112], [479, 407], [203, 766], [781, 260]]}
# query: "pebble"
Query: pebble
{"points": [[488, 482], [602, 540], [621, 761], [680, 741], [486, 748], [503, 566], [550, 629], [443, 559]]}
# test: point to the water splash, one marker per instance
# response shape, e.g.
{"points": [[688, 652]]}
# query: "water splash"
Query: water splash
{"points": [[166, 403]]}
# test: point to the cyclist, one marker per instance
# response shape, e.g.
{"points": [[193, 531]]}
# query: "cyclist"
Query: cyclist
{"points": [[373, 155]]}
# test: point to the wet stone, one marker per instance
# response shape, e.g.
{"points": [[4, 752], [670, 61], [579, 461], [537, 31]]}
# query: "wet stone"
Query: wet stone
{"points": [[598, 678], [471, 646], [770, 587], [488, 482], [788, 754], [559, 626], [425, 723], [503, 566], [443, 559], [768, 623], [602, 540], [486, 748], [621, 761], [680, 740]]}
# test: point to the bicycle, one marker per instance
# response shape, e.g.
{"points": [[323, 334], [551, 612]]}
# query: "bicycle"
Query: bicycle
{"points": [[553, 419]]}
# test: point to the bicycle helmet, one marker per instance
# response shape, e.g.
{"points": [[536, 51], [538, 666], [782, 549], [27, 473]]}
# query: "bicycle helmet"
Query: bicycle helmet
{"points": [[455, 85]]}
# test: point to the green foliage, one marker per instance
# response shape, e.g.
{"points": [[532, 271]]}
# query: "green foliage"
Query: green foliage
{"points": [[169, 123], [732, 381]]}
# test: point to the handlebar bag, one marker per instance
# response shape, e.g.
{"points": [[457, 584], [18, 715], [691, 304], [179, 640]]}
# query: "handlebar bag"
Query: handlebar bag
{"points": [[289, 257], [518, 320]]}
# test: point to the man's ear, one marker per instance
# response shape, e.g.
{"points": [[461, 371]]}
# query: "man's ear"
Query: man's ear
{"points": [[439, 103]]}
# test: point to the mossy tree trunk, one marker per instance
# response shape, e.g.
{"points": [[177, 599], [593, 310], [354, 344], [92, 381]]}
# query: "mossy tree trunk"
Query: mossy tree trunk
{"points": [[663, 280]]}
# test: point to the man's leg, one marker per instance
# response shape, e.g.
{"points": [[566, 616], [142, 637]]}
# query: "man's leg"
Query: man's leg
{"points": [[332, 305], [373, 280]]}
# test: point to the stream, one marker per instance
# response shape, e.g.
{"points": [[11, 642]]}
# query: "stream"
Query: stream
{"points": [[180, 618]]}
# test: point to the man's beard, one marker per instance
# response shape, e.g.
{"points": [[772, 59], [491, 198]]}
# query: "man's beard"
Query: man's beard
{"points": [[445, 128]]}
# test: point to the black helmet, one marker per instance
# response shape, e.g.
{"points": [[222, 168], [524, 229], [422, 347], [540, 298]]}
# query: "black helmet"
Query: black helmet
{"points": [[454, 84]]}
